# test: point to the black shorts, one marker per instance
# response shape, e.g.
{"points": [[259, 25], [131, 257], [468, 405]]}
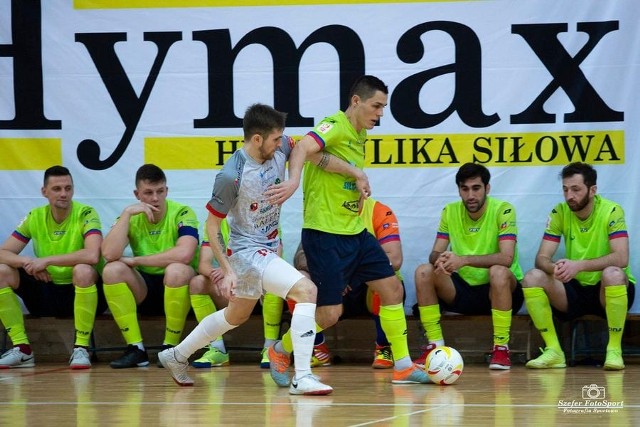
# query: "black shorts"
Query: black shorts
{"points": [[582, 300], [335, 260], [46, 299], [153, 304], [475, 299]]}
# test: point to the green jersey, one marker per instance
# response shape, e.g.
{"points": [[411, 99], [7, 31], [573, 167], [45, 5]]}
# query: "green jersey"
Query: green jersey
{"points": [[50, 238], [146, 238], [479, 237], [330, 199], [588, 239]]}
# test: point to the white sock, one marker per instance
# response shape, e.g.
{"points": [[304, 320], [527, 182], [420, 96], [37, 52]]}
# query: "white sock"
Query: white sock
{"points": [[211, 327], [303, 334]]}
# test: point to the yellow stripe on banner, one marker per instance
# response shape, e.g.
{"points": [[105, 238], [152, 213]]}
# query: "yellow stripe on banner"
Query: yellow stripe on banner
{"points": [[30, 153], [498, 149], [190, 152], [419, 150], [157, 4]]}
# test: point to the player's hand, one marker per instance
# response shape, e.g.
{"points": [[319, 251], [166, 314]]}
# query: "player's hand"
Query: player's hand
{"points": [[362, 184], [566, 270], [446, 263], [129, 261], [277, 194], [35, 266], [142, 208], [216, 274], [226, 286]]}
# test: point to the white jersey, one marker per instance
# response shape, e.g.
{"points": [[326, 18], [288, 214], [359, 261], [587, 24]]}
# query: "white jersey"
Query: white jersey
{"points": [[238, 195]]}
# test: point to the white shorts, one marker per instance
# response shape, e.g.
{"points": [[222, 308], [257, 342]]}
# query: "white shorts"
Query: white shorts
{"points": [[262, 271]]}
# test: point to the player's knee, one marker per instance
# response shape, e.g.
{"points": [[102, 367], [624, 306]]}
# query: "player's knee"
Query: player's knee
{"points": [[113, 272], [534, 278], [8, 276], [198, 285], [423, 274], [177, 274], [84, 275], [500, 277], [303, 291], [613, 276]]}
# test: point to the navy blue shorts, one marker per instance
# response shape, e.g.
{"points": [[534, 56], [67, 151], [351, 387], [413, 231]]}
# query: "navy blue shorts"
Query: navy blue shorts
{"points": [[475, 299], [46, 299], [584, 300], [336, 260], [153, 304]]}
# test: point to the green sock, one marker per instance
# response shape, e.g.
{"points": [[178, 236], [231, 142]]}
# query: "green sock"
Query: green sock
{"points": [[11, 316], [394, 325], [615, 301], [124, 310], [85, 304], [430, 319], [176, 308], [272, 316], [203, 306], [539, 309], [501, 326]]}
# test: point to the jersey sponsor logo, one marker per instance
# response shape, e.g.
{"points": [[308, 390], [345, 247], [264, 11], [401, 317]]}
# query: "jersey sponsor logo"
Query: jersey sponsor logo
{"points": [[349, 186], [506, 211], [474, 229], [351, 205], [324, 127], [158, 232]]}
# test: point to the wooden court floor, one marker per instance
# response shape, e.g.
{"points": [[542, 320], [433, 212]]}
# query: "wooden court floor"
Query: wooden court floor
{"points": [[244, 394]]}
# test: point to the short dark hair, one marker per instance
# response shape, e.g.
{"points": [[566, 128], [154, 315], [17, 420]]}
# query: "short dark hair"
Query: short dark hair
{"points": [[150, 172], [472, 170], [366, 86], [56, 170], [262, 119], [589, 174]]}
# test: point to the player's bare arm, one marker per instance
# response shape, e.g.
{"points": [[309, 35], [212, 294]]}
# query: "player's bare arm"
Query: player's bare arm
{"points": [[10, 253], [544, 257], [567, 269], [182, 253], [504, 257]]}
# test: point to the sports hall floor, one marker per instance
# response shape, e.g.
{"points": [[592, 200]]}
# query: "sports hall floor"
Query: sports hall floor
{"points": [[243, 394]]}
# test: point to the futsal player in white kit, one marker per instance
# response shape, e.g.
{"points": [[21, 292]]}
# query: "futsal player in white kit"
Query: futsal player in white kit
{"points": [[251, 265]]}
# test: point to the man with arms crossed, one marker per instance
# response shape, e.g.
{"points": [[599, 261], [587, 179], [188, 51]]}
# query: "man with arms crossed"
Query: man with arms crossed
{"points": [[593, 277]]}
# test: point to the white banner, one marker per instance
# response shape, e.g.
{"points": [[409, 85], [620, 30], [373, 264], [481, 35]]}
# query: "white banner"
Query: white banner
{"points": [[103, 86]]}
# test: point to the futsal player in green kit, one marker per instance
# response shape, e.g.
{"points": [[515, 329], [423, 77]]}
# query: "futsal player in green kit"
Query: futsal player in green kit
{"points": [[473, 266], [593, 276], [163, 237], [61, 279], [338, 247]]}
